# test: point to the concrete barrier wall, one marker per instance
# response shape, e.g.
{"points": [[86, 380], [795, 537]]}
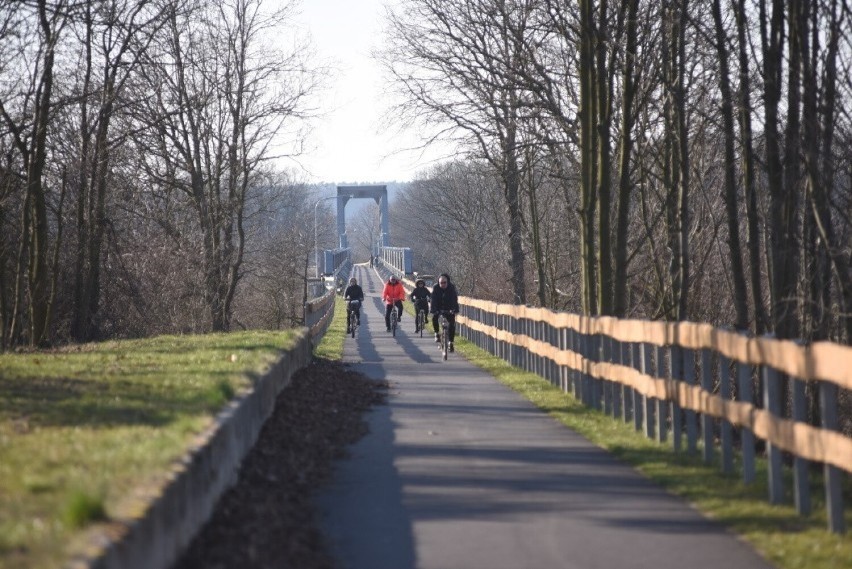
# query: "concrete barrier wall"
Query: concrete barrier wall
{"points": [[178, 509]]}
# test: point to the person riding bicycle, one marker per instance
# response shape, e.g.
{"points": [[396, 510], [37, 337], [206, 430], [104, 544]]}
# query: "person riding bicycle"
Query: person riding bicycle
{"points": [[354, 296], [420, 297], [445, 298], [393, 295]]}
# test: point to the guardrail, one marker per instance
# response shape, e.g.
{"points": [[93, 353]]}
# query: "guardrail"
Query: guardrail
{"points": [[318, 315], [688, 380]]}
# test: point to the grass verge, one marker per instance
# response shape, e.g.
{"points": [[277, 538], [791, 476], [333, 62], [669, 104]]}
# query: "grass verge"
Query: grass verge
{"points": [[786, 539], [83, 428], [331, 346]]}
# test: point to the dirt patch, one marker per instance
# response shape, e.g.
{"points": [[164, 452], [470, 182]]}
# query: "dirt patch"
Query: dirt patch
{"points": [[267, 520]]}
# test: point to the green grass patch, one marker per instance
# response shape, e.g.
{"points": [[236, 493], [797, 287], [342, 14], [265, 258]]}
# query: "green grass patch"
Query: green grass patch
{"points": [[82, 509], [86, 429], [331, 346], [788, 540]]}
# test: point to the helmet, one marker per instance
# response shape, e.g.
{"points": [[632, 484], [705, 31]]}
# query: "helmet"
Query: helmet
{"points": [[353, 280], [419, 282], [392, 278]]}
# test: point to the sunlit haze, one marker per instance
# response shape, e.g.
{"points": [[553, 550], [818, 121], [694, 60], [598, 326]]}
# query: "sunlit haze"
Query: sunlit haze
{"points": [[345, 144]]}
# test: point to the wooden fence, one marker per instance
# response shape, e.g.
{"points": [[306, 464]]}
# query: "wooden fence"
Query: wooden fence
{"points": [[693, 382]]}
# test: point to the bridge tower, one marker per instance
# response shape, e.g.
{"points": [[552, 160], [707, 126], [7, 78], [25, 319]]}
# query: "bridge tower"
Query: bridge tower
{"points": [[378, 193]]}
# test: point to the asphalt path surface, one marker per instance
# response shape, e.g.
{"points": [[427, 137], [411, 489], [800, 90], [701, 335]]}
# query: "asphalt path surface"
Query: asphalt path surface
{"points": [[460, 472]]}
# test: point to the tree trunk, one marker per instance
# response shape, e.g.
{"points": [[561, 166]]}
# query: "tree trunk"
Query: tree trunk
{"points": [[819, 163], [730, 194], [587, 150], [772, 37], [749, 166], [37, 272], [603, 92], [683, 168], [629, 78], [677, 175]]}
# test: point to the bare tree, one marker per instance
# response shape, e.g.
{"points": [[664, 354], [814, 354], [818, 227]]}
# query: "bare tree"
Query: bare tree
{"points": [[220, 96], [734, 248], [116, 34], [450, 231], [26, 109], [455, 63]]}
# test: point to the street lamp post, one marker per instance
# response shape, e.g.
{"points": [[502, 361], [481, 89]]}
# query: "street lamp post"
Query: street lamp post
{"points": [[316, 235]]}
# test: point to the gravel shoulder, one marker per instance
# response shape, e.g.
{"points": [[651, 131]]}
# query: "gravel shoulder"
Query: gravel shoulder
{"points": [[267, 519]]}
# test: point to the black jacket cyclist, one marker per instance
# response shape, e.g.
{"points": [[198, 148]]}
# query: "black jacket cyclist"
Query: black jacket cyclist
{"points": [[353, 292], [445, 298], [420, 297]]}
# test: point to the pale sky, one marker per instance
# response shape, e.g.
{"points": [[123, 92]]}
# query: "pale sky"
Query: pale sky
{"points": [[346, 145]]}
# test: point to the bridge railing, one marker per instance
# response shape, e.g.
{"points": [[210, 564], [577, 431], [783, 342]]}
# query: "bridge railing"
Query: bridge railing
{"points": [[692, 382], [396, 259], [333, 260]]}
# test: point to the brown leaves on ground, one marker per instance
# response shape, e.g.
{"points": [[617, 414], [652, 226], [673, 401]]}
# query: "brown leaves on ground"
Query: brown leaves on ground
{"points": [[267, 519]]}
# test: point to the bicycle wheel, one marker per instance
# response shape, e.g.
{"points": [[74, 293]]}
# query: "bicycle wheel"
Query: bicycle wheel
{"points": [[445, 340], [393, 322], [354, 325], [421, 321]]}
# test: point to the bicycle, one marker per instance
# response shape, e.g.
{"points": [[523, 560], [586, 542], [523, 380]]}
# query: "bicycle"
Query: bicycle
{"points": [[421, 321], [354, 316], [445, 333], [394, 319]]}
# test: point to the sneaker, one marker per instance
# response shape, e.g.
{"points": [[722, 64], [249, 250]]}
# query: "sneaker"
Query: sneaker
{"points": [[452, 349], [437, 339], [387, 329], [348, 330]]}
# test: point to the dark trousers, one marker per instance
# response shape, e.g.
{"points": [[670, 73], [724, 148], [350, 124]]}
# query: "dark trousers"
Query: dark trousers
{"points": [[422, 305], [349, 314], [451, 320], [388, 308]]}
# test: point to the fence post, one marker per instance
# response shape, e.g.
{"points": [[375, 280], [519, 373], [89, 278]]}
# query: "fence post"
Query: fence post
{"points": [[801, 479], [676, 374], [578, 347], [662, 404], [833, 475], [772, 404], [690, 416], [744, 394], [638, 399], [596, 385], [616, 357], [626, 392], [514, 350], [606, 355], [646, 368], [707, 420], [726, 439]]}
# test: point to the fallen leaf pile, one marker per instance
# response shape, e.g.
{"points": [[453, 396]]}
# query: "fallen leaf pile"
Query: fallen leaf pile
{"points": [[267, 519]]}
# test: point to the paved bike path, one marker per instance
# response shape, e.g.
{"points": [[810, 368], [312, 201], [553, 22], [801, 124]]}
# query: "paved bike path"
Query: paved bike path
{"points": [[460, 472]]}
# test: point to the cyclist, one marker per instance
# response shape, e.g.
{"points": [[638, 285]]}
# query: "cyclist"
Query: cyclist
{"points": [[445, 298], [420, 297], [393, 295], [354, 296]]}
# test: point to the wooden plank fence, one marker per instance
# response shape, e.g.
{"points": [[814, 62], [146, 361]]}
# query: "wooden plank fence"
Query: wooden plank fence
{"points": [[690, 381]]}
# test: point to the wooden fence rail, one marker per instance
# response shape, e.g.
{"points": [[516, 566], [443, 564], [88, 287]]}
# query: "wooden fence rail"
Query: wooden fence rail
{"points": [[688, 381]]}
